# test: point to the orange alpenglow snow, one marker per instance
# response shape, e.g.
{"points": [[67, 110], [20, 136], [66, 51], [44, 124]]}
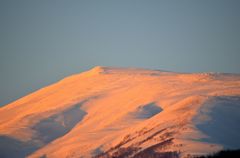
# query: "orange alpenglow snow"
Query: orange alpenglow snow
{"points": [[125, 112]]}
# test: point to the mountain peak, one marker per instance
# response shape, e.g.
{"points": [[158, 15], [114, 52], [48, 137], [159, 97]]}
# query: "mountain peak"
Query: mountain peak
{"points": [[98, 69]]}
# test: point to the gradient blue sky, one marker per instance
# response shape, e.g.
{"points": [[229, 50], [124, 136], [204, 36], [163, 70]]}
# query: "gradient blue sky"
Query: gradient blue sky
{"points": [[42, 41]]}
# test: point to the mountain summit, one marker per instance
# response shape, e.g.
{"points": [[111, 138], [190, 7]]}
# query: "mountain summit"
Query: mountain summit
{"points": [[125, 112]]}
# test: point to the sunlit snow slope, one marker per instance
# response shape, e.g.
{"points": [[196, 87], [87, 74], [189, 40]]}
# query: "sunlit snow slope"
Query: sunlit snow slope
{"points": [[125, 112]]}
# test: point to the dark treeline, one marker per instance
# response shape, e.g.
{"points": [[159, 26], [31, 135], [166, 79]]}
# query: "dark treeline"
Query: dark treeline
{"points": [[224, 154]]}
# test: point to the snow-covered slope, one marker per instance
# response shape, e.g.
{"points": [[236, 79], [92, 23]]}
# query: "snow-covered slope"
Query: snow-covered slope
{"points": [[125, 112]]}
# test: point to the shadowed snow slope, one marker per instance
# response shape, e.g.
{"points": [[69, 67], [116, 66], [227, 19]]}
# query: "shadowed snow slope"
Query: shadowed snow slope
{"points": [[125, 112], [224, 117]]}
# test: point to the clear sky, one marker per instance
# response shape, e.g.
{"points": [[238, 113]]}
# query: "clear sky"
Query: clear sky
{"points": [[42, 41]]}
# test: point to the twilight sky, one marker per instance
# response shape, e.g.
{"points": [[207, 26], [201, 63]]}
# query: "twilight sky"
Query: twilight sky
{"points": [[42, 41]]}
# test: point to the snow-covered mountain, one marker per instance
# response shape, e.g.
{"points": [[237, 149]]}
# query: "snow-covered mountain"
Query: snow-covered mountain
{"points": [[125, 112]]}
